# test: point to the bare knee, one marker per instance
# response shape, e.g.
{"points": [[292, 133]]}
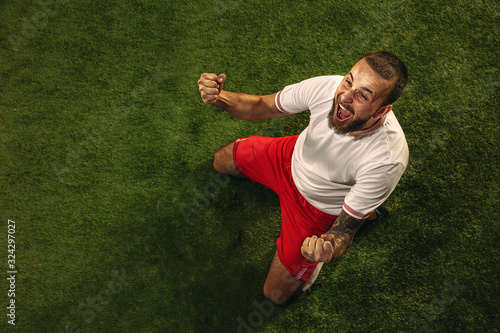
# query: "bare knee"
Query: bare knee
{"points": [[223, 158], [218, 162], [276, 296], [280, 287], [224, 163]]}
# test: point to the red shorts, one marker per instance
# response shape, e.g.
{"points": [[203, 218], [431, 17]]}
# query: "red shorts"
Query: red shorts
{"points": [[268, 161]]}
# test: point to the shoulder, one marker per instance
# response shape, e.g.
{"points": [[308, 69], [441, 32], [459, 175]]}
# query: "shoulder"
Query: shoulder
{"points": [[307, 94], [322, 81], [388, 143], [397, 141], [317, 82], [321, 87]]}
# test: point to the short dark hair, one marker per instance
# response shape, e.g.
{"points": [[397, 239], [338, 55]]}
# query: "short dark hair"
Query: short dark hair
{"points": [[389, 67]]}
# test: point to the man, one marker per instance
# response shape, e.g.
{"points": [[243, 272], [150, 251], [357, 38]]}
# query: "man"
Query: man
{"points": [[332, 176]]}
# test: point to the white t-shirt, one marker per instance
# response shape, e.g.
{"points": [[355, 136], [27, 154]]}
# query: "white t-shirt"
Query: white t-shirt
{"points": [[357, 171]]}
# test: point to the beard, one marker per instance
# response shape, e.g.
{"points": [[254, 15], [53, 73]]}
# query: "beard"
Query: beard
{"points": [[352, 125]]}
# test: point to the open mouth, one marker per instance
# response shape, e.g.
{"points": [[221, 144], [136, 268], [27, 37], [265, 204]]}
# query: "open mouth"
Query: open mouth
{"points": [[342, 114]]}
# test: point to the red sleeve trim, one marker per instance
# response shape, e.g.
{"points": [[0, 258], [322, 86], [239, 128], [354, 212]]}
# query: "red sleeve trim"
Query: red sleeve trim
{"points": [[278, 102], [353, 213]]}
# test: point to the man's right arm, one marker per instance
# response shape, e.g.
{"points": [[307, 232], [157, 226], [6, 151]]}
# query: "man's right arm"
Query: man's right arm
{"points": [[242, 106]]}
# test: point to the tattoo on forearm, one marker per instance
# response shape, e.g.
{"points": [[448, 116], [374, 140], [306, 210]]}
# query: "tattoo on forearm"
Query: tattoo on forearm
{"points": [[343, 229]]}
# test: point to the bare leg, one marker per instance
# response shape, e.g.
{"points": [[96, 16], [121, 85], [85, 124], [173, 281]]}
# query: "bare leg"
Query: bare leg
{"points": [[224, 163], [280, 286]]}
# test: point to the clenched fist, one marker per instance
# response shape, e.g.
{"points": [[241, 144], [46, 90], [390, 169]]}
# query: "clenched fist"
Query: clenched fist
{"points": [[210, 86], [318, 249]]}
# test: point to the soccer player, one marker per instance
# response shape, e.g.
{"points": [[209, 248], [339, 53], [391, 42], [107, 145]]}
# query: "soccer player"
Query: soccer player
{"points": [[331, 177]]}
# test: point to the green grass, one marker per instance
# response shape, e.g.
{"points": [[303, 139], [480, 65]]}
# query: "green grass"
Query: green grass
{"points": [[105, 144]]}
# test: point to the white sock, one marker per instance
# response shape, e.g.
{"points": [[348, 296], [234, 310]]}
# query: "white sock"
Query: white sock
{"points": [[313, 277]]}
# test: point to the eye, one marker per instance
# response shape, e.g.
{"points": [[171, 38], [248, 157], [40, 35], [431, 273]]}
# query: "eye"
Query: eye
{"points": [[348, 82], [362, 96]]}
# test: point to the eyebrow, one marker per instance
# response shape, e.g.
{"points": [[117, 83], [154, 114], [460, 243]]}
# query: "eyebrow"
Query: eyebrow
{"points": [[362, 88]]}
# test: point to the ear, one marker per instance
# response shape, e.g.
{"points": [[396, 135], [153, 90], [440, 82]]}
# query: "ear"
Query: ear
{"points": [[382, 111]]}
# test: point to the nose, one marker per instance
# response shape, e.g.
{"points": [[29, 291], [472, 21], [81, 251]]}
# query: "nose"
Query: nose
{"points": [[347, 97]]}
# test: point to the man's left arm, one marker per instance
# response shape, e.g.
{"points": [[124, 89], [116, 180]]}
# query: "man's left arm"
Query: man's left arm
{"points": [[334, 242]]}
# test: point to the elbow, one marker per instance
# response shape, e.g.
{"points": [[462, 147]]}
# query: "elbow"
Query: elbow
{"points": [[254, 114], [249, 116], [261, 111], [255, 118]]}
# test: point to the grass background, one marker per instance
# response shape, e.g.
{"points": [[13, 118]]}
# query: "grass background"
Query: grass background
{"points": [[106, 152]]}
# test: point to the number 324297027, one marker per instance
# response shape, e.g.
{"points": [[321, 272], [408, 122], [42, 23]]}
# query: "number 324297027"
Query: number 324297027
{"points": [[11, 239]]}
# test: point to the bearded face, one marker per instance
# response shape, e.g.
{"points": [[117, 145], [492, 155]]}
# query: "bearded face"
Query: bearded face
{"points": [[343, 119], [358, 100]]}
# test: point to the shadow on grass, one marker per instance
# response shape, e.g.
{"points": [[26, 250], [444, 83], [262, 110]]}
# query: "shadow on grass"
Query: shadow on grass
{"points": [[218, 260]]}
